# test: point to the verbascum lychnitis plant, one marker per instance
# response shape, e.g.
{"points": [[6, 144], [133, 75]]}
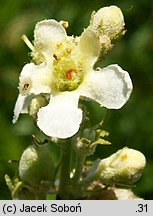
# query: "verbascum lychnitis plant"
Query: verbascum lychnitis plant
{"points": [[62, 74]]}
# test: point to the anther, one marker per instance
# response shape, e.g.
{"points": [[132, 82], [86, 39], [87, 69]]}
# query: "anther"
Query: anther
{"points": [[57, 57], [68, 50], [65, 24], [71, 74], [25, 87]]}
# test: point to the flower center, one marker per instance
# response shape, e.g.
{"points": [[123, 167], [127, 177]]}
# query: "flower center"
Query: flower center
{"points": [[71, 74], [66, 67]]}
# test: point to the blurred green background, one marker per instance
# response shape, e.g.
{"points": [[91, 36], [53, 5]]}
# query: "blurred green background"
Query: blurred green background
{"points": [[131, 126]]}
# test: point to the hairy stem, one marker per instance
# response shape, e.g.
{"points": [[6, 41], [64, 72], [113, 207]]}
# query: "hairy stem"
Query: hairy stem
{"points": [[65, 171], [79, 167]]}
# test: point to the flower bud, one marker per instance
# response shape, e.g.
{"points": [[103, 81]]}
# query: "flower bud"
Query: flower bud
{"points": [[89, 133], [36, 104], [125, 194], [125, 166], [108, 21], [36, 165], [85, 147]]}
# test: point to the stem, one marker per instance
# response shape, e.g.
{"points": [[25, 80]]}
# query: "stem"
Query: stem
{"points": [[41, 196], [79, 167], [65, 170], [89, 179]]}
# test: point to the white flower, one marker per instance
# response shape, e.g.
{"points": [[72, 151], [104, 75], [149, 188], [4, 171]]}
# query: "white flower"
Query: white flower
{"points": [[64, 70]]}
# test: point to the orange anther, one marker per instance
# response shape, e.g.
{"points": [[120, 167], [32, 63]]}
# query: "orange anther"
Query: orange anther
{"points": [[70, 74], [57, 57]]}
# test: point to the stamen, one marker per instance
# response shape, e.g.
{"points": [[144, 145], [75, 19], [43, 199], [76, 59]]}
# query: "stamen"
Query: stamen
{"points": [[27, 42], [58, 45], [71, 74], [68, 50], [25, 87], [57, 57], [65, 24]]}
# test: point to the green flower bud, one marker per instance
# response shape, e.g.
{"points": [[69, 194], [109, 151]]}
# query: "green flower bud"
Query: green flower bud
{"points": [[89, 133], [125, 166], [108, 21], [36, 165], [85, 147]]}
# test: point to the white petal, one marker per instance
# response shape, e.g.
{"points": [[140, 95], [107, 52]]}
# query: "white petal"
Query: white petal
{"points": [[89, 47], [35, 79], [47, 33], [62, 117], [21, 106], [111, 86]]}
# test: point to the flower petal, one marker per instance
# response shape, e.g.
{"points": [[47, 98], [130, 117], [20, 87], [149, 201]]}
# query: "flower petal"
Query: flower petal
{"points": [[111, 86], [62, 117], [47, 33], [35, 79], [21, 106], [89, 47]]}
